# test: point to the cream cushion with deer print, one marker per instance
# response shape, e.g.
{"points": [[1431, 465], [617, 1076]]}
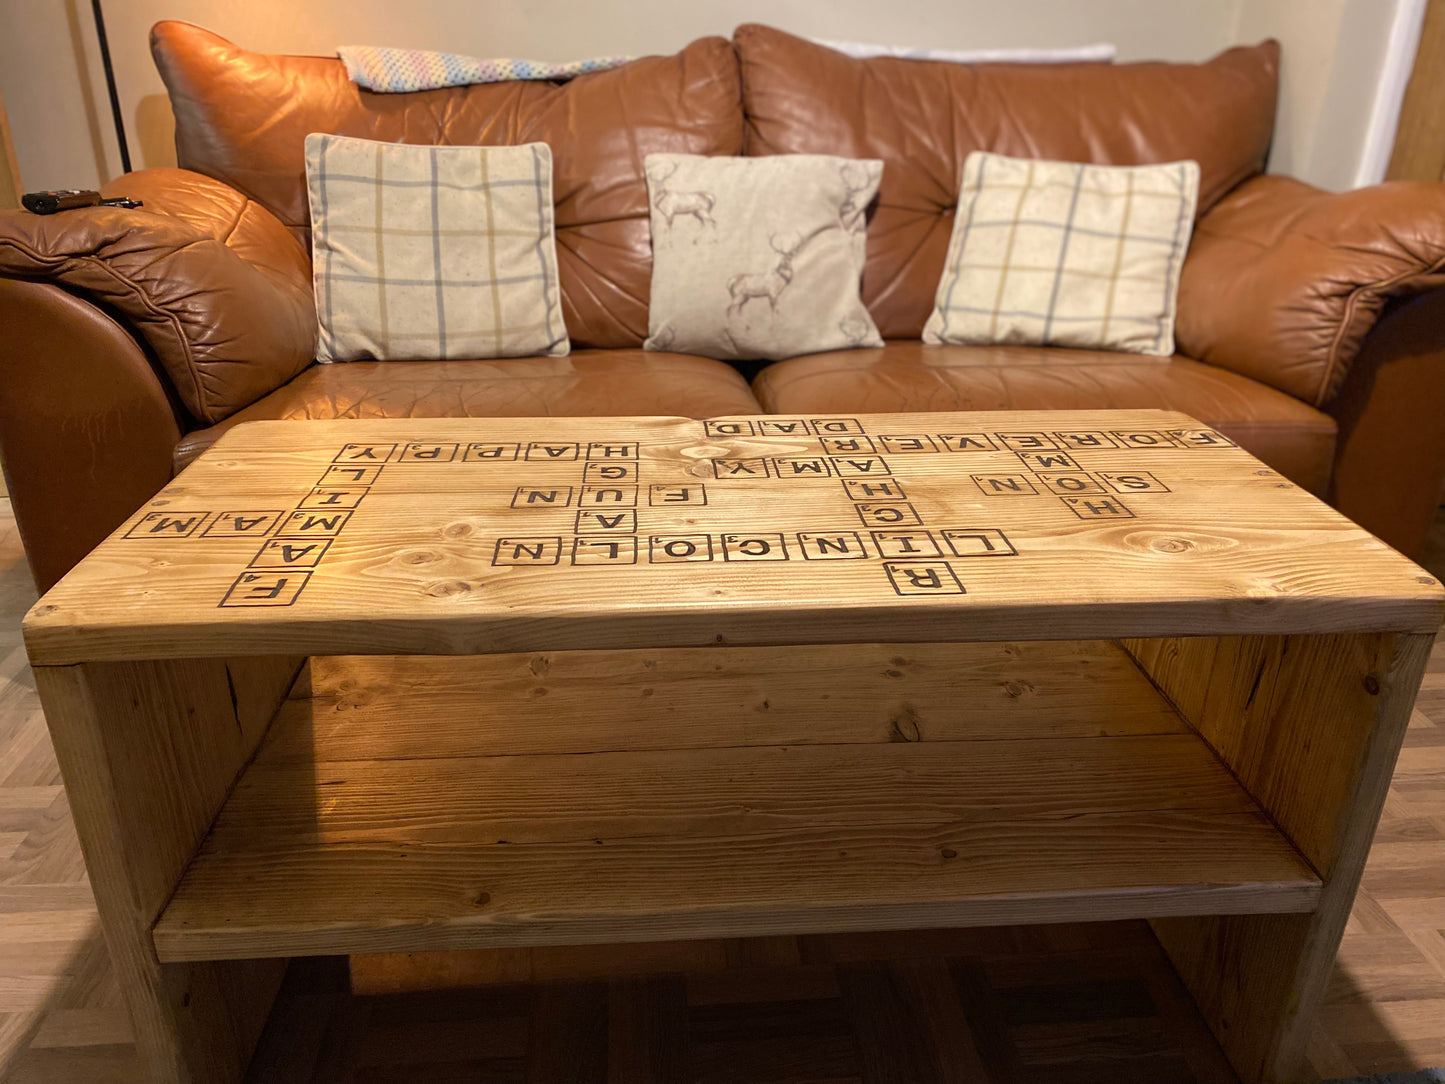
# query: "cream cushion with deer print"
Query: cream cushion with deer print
{"points": [[758, 257]]}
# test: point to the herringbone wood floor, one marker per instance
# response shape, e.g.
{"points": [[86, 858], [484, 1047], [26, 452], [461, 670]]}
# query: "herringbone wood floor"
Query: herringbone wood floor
{"points": [[1061, 1004]]}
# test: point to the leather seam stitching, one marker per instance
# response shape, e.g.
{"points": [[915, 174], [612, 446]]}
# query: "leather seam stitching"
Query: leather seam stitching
{"points": [[58, 262], [1351, 303]]}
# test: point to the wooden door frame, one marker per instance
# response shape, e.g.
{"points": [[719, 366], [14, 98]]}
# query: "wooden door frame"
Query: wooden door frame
{"points": [[10, 188], [1419, 153]]}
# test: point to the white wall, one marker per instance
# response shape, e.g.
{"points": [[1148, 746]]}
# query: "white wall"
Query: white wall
{"points": [[57, 120], [50, 73], [1336, 86]]}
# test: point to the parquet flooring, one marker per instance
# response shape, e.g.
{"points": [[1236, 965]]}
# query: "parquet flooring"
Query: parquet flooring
{"points": [[1070, 1004], [1061, 1004], [61, 1018]]}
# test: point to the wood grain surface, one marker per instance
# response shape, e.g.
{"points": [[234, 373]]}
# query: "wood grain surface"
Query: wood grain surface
{"points": [[719, 828], [10, 184], [160, 657], [61, 1018], [493, 535], [149, 753], [1311, 726], [402, 707], [1419, 151]]}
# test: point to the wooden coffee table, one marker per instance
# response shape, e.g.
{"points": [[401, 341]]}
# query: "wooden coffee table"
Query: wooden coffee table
{"points": [[381, 686]]}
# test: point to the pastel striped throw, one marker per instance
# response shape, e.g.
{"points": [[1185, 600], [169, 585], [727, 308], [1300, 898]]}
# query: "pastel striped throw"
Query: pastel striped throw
{"points": [[396, 71]]}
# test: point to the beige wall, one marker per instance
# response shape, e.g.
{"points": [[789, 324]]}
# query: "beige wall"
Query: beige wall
{"points": [[1335, 59], [57, 126], [50, 70]]}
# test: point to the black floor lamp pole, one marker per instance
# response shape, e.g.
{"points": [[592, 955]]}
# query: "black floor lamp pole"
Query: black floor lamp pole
{"points": [[110, 85]]}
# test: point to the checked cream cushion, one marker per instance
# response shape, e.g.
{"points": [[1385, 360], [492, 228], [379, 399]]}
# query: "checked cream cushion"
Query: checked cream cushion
{"points": [[423, 253], [1063, 254]]}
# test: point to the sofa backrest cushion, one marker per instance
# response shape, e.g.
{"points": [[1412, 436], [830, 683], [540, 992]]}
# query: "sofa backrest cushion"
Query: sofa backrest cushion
{"points": [[924, 117], [243, 118]]}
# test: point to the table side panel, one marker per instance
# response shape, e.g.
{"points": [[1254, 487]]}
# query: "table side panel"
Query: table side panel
{"points": [[1312, 727], [149, 752], [1294, 717]]}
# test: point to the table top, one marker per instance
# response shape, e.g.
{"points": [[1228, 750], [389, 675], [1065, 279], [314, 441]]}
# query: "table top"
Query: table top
{"points": [[461, 536]]}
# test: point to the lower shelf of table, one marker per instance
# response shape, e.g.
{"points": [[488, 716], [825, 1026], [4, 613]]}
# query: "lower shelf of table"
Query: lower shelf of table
{"points": [[406, 804]]}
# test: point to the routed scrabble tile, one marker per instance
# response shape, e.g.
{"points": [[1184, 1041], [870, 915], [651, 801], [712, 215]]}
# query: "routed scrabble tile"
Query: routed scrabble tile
{"points": [[455, 536]]}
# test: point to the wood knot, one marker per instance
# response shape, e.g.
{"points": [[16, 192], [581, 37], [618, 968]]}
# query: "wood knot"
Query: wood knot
{"points": [[483, 898], [1372, 685], [903, 727], [420, 557], [348, 700], [448, 588], [948, 852], [457, 530], [1171, 545]]}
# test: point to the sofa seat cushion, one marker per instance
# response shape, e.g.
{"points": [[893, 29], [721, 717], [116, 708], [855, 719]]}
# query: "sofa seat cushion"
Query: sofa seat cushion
{"points": [[587, 383], [1296, 439]]}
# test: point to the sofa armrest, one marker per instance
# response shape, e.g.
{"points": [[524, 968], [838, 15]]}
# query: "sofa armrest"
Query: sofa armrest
{"points": [[208, 279], [1390, 452], [1283, 281], [87, 428]]}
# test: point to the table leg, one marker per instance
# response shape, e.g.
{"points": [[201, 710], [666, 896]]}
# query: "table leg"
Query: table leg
{"points": [[149, 751], [1311, 725]]}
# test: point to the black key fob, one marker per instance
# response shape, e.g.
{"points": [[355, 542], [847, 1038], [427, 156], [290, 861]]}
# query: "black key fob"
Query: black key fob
{"points": [[65, 199]]}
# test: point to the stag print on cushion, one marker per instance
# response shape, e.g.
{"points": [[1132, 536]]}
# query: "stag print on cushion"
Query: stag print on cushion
{"points": [[669, 203], [759, 257], [771, 283], [860, 183]]}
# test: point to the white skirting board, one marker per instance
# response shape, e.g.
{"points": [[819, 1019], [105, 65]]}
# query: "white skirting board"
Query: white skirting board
{"points": [[1390, 94]]}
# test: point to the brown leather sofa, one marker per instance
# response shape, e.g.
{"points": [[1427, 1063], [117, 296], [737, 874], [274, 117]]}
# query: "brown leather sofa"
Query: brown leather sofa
{"points": [[1311, 325]]}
